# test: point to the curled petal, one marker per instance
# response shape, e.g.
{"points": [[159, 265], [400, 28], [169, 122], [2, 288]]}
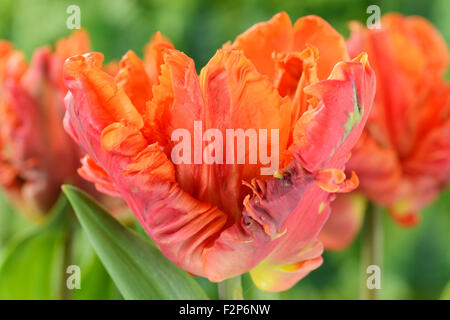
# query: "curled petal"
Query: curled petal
{"points": [[150, 165], [266, 40], [295, 72], [177, 99], [260, 42], [345, 100], [297, 232], [154, 55], [316, 32], [133, 79], [117, 106], [266, 230], [92, 172], [77, 43], [334, 180]]}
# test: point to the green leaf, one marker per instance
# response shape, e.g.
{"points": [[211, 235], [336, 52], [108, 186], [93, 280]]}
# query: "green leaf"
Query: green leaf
{"points": [[137, 267], [33, 265], [96, 284], [12, 223], [6, 214]]}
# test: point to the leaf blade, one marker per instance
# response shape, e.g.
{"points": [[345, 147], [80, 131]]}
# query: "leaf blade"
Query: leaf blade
{"points": [[139, 270], [32, 266]]}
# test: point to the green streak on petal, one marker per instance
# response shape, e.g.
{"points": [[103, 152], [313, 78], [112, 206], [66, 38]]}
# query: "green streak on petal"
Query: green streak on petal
{"points": [[278, 175], [355, 116], [279, 234]]}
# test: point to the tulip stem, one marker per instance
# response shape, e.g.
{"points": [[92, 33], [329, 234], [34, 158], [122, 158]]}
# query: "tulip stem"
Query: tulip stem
{"points": [[372, 253], [231, 289]]}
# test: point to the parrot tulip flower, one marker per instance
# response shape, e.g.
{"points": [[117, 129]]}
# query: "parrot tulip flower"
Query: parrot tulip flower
{"points": [[219, 220], [403, 156], [36, 154]]}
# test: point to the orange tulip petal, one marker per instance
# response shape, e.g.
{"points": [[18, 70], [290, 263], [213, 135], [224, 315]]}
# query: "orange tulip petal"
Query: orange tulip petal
{"points": [[173, 106], [314, 31], [422, 36], [115, 105], [238, 97], [122, 138], [261, 41], [331, 129], [77, 43], [295, 72], [133, 79], [334, 180], [154, 55], [92, 172]]}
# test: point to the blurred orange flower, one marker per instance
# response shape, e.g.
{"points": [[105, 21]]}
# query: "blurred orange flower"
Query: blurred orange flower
{"points": [[221, 220], [403, 156], [36, 155]]}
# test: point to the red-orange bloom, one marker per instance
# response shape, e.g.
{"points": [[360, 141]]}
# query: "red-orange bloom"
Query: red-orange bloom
{"points": [[221, 220], [403, 156], [36, 154]]}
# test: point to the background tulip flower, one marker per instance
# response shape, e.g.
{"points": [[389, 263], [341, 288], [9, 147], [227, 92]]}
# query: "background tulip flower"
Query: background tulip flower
{"points": [[403, 156], [12, 65], [345, 221], [37, 155], [221, 220]]}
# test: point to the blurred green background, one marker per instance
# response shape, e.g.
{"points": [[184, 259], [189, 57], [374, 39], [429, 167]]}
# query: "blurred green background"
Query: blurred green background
{"points": [[416, 261]]}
